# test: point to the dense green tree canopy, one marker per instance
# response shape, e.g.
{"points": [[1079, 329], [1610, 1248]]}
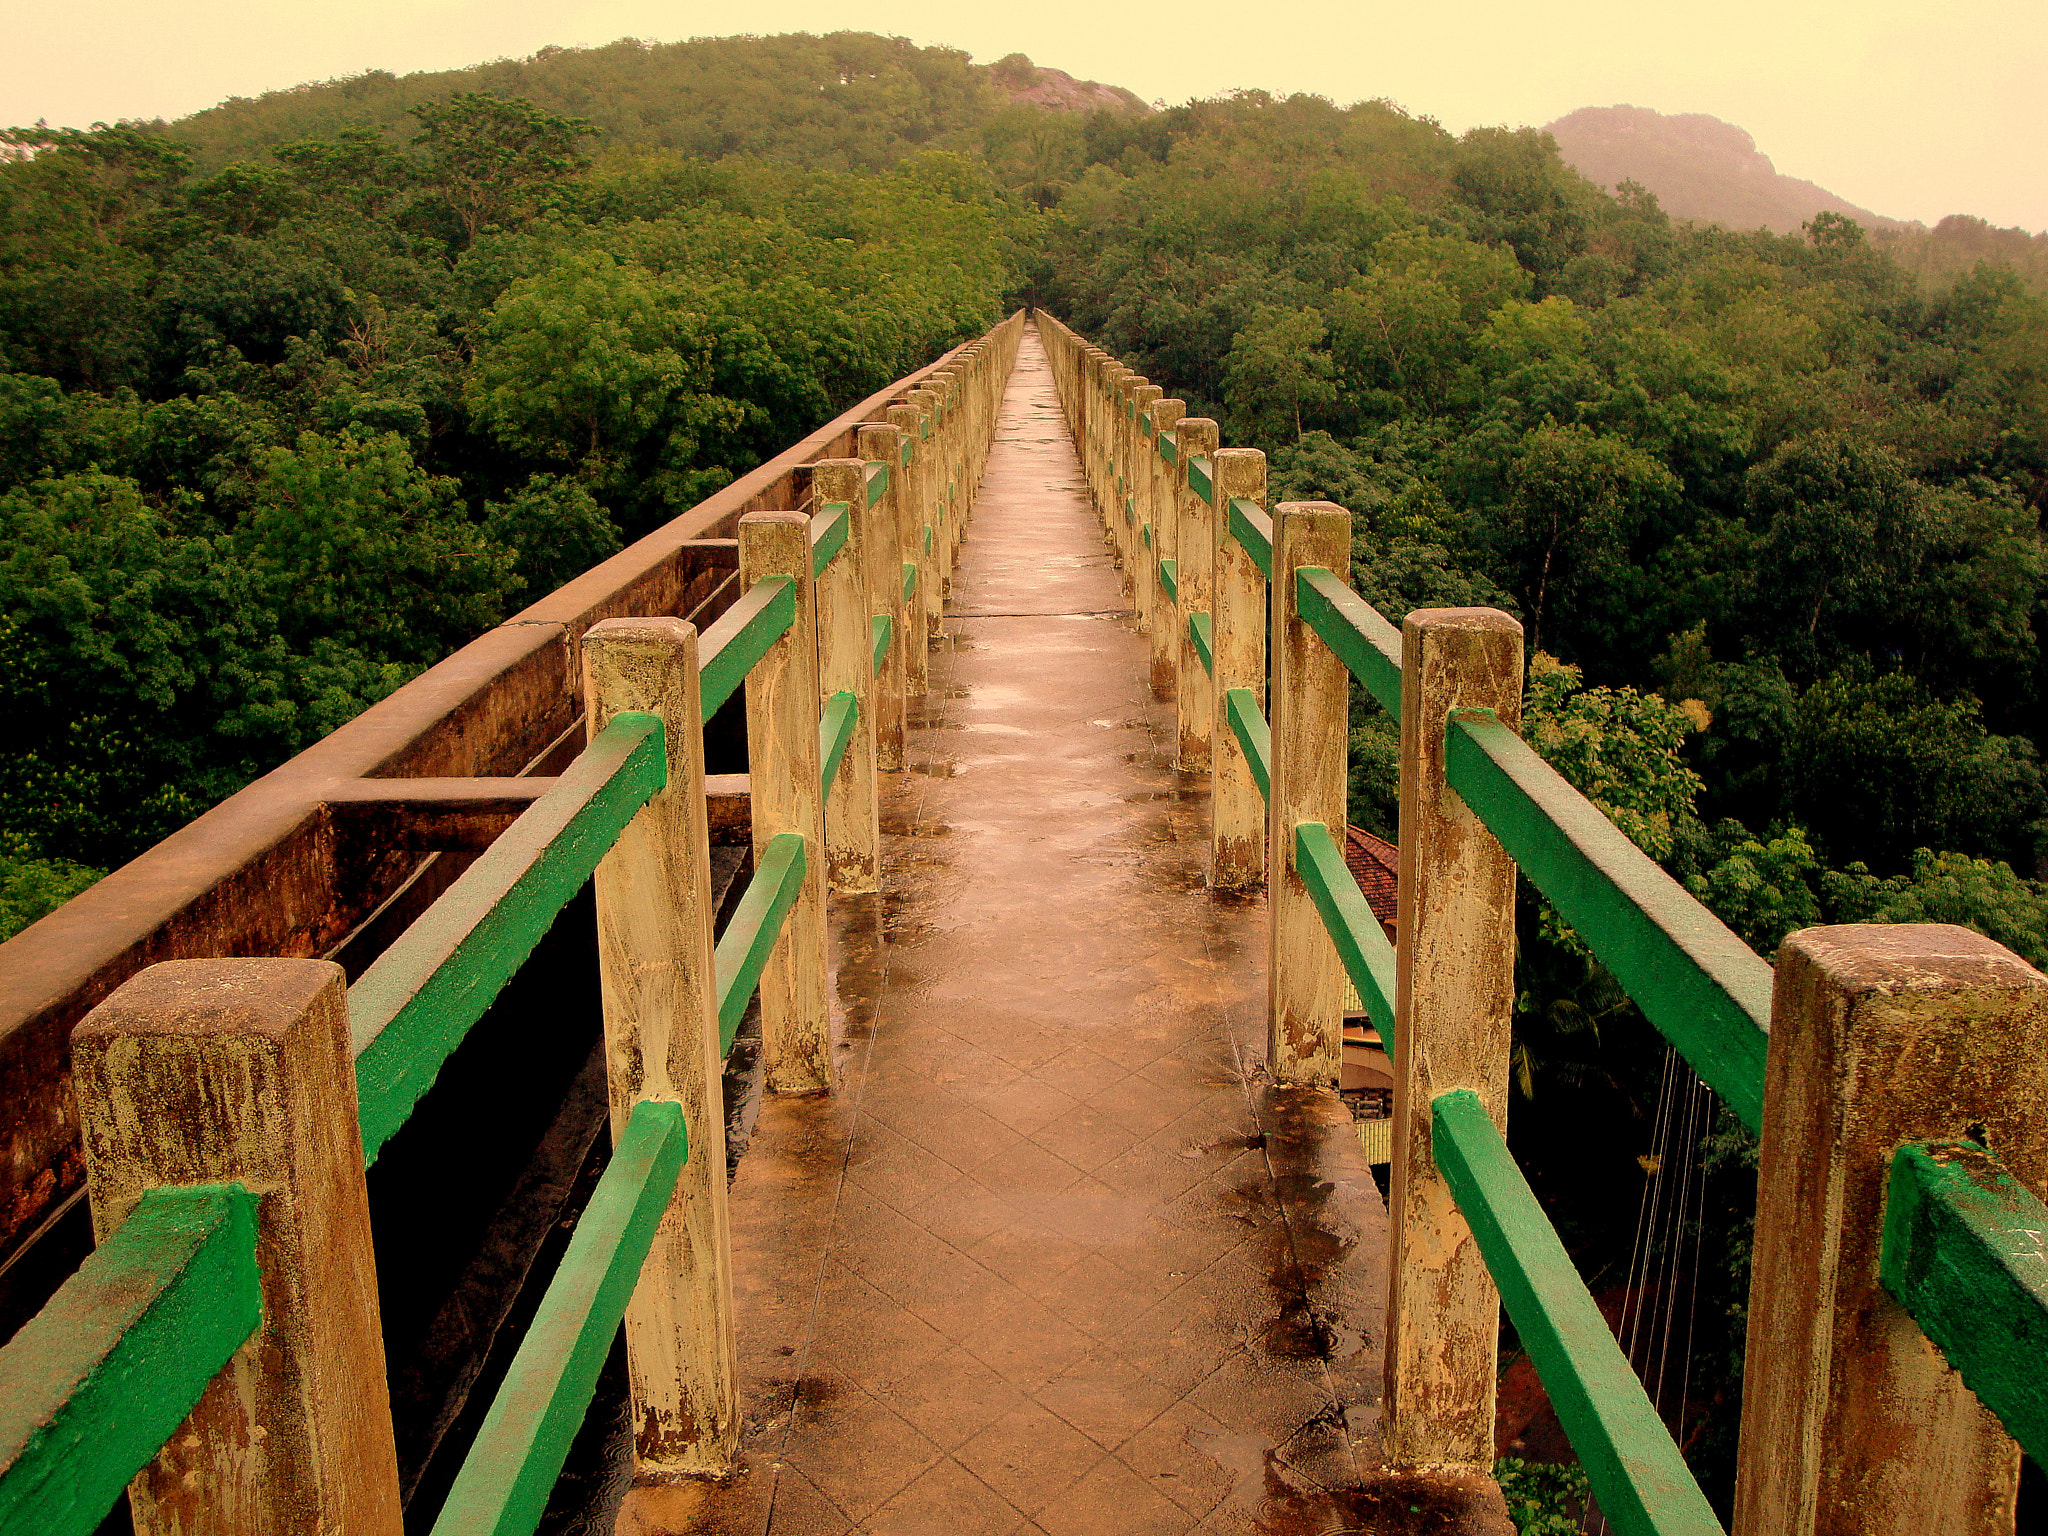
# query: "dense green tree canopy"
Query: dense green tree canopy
{"points": [[275, 436]]}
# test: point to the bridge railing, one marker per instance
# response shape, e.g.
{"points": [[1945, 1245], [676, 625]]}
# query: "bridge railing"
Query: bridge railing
{"points": [[220, 1354], [1898, 1311]]}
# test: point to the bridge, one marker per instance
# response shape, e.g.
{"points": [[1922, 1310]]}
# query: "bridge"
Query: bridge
{"points": [[832, 1021]]}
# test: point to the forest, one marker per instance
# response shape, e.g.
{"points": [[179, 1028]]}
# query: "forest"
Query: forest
{"points": [[299, 394]]}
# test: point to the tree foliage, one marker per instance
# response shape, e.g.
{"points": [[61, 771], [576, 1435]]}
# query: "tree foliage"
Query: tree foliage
{"points": [[279, 429]]}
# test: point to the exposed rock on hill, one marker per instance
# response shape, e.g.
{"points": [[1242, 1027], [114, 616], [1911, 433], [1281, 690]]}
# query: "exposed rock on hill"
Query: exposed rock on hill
{"points": [[1033, 85], [1699, 167]]}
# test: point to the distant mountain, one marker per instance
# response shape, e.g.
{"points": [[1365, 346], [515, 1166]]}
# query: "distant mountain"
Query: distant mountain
{"points": [[1699, 167]]}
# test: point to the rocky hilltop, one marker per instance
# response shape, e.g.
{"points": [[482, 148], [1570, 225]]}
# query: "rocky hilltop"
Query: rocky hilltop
{"points": [[1035, 85], [1699, 167]]}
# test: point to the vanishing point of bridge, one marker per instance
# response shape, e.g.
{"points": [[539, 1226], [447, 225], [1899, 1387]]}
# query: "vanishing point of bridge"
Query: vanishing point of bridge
{"points": [[958, 1143]]}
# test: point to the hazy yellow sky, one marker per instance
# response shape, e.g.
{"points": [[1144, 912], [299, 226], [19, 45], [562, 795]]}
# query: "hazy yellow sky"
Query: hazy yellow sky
{"points": [[1912, 108]]}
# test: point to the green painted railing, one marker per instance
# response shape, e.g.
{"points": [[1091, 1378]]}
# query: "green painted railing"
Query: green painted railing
{"points": [[1254, 530], [96, 1382], [1692, 977], [413, 1006], [1169, 579], [1202, 477], [731, 647], [1354, 630], [835, 734], [504, 1484], [877, 480], [1361, 943], [1202, 631], [1704, 989], [1146, 532], [881, 626], [909, 578], [1247, 723], [756, 923], [828, 534], [1637, 1473], [1169, 448], [1964, 1255]]}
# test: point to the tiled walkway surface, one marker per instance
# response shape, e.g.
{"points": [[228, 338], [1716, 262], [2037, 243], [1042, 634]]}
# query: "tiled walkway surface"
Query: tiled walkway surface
{"points": [[1054, 1258]]}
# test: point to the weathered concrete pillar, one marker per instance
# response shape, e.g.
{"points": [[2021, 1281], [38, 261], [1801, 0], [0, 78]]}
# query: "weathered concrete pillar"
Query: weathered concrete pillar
{"points": [[1162, 481], [1454, 995], [946, 483], [782, 774], [1237, 809], [660, 989], [1311, 697], [1852, 1422], [1136, 500], [931, 458], [1108, 497], [853, 841], [238, 1072], [1196, 543], [912, 517], [883, 529]]}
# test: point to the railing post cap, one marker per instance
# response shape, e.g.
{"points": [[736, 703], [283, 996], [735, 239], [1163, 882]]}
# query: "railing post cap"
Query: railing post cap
{"points": [[265, 997], [1311, 511], [1890, 959], [1473, 619], [665, 627], [758, 519], [819, 464]]}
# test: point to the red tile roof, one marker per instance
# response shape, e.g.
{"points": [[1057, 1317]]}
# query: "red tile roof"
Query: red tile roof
{"points": [[1375, 864]]}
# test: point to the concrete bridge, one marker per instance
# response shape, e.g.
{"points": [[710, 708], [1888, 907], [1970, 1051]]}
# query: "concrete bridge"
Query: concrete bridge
{"points": [[885, 939]]}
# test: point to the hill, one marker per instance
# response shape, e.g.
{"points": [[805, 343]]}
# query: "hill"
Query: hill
{"points": [[844, 101], [1699, 167]]}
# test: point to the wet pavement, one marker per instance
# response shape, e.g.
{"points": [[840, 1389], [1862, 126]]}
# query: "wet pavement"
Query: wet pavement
{"points": [[1055, 1258]]}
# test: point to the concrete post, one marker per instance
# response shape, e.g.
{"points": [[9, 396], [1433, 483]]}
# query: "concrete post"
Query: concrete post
{"points": [[1163, 510], [1196, 543], [1852, 1422], [1136, 501], [1237, 810], [853, 856], [883, 529], [654, 921], [1311, 698], [238, 1072], [911, 518], [1108, 485], [1454, 993], [782, 769], [931, 458]]}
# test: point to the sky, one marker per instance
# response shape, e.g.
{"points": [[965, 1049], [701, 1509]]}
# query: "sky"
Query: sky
{"points": [[1911, 108]]}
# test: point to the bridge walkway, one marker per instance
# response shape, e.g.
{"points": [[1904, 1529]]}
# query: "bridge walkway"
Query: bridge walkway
{"points": [[1055, 1258]]}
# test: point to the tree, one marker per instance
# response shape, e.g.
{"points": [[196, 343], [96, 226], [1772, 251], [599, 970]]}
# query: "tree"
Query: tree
{"points": [[597, 364], [1877, 765], [1276, 368], [1575, 498], [1762, 887], [1840, 537], [556, 530], [493, 158]]}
